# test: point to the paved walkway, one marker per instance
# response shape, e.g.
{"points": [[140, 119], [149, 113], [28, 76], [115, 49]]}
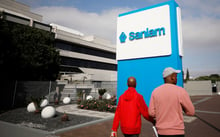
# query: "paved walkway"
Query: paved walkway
{"points": [[72, 109], [206, 122]]}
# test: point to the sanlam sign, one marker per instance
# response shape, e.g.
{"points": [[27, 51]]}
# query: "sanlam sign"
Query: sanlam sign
{"points": [[145, 30], [148, 40], [148, 33]]}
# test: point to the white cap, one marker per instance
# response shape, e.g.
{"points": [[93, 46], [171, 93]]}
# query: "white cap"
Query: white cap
{"points": [[168, 71]]}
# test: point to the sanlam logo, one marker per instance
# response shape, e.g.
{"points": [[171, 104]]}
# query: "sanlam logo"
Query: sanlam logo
{"points": [[123, 37], [148, 33]]}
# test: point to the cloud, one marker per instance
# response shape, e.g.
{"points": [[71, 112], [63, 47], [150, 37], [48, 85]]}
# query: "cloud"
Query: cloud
{"points": [[200, 23], [197, 31], [100, 24], [201, 32], [201, 45], [200, 8]]}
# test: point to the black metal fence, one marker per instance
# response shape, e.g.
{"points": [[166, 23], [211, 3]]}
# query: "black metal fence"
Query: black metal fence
{"points": [[16, 94]]}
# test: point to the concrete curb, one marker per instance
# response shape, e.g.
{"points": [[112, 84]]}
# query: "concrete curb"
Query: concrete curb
{"points": [[59, 131], [15, 130]]}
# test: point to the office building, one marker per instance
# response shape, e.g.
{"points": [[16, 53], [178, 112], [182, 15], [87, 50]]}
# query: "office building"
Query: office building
{"points": [[83, 58]]}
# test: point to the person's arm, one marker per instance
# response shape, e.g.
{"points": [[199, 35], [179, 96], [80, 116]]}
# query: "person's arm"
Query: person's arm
{"points": [[152, 110], [186, 103], [116, 118], [144, 110]]}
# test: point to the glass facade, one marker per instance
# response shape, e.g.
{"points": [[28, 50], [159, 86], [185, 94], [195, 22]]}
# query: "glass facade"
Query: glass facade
{"points": [[76, 62], [84, 50], [87, 63]]}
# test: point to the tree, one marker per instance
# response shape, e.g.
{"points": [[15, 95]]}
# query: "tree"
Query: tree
{"points": [[187, 74], [27, 53], [212, 77]]}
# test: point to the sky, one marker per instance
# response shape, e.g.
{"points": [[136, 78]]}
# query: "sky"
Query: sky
{"points": [[200, 25]]}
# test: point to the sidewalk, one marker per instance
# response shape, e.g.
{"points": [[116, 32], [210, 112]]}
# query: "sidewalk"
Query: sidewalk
{"points": [[206, 123], [72, 109]]}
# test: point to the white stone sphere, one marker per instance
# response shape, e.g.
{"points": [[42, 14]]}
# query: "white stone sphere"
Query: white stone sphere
{"points": [[31, 107], [44, 103], [88, 97], [108, 96], [48, 112], [66, 100]]}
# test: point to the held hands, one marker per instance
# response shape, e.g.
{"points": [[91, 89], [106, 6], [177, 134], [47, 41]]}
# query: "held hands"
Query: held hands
{"points": [[113, 134], [154, 122]]}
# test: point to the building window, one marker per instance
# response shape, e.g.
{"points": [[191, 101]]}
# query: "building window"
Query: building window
{"points": [[87, 63], [16, 19], [42, 26], [85, 50]]}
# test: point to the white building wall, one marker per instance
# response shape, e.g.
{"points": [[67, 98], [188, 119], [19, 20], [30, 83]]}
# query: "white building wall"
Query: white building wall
{"points": [[19, 9], [74, 36], [86, 56], [101, 75], [198, 87]]}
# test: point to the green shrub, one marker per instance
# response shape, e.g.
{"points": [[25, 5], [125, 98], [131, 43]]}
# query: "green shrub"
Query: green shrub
{"points": [[99, 105]]}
